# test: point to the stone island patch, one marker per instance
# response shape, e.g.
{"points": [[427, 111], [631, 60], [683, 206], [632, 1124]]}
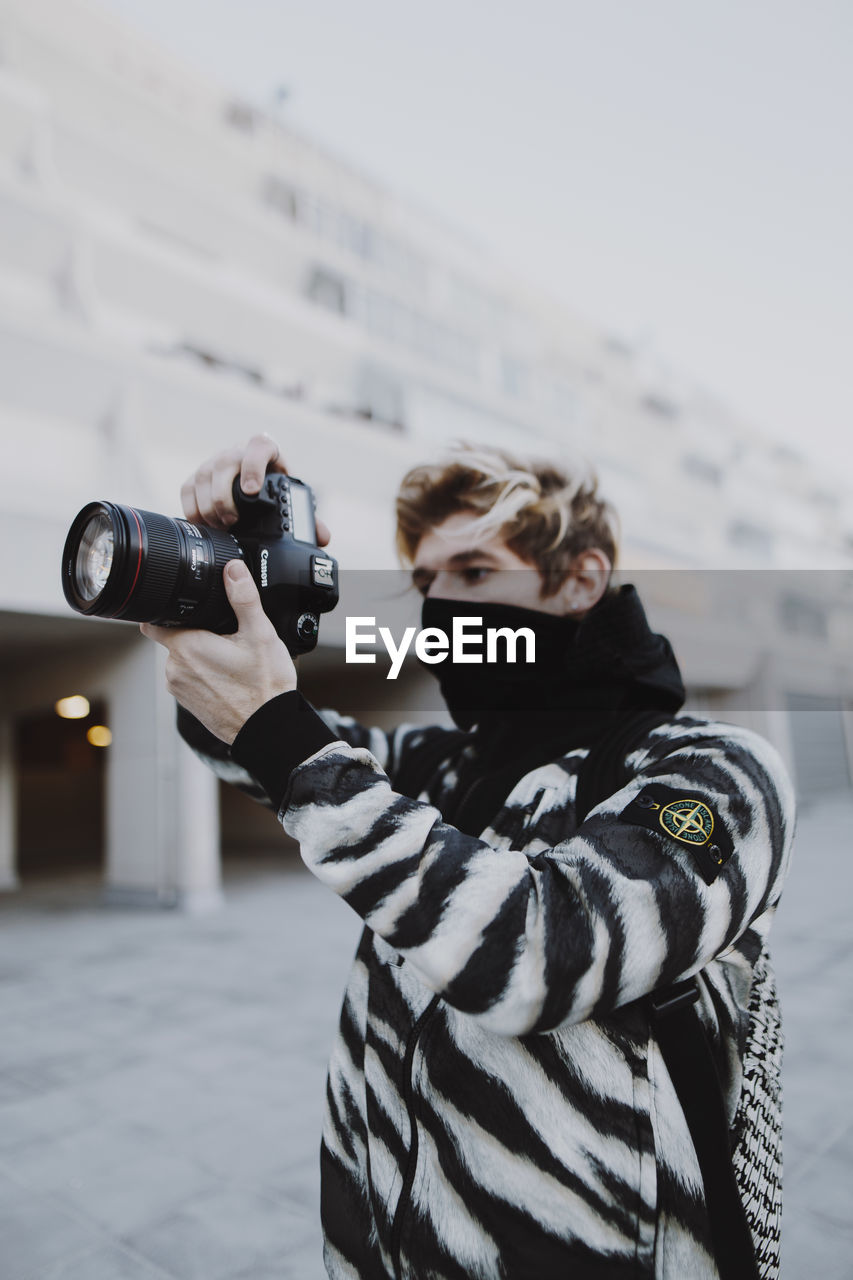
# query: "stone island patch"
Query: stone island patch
{"points": [[686, 818]]}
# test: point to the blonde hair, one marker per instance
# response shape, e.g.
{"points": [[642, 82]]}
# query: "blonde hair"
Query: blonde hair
{"points": [[544, 514]]}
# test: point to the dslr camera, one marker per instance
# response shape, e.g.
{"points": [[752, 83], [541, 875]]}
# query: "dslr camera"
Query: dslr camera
{"points": [[120, 562]]}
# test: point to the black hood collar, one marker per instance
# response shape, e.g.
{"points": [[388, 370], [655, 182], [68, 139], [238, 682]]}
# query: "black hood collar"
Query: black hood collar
{"points": [[585, 671]]}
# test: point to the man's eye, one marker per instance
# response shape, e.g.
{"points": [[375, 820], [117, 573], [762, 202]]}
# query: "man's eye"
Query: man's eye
{"points": [[473, 575], [422, 582]]}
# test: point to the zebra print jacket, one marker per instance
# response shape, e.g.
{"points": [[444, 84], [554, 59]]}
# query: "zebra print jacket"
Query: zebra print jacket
{"points": [[497, 1107]]}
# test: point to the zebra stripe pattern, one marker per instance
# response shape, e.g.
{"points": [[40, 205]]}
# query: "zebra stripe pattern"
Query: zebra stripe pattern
{"points": [[497, 1108]]}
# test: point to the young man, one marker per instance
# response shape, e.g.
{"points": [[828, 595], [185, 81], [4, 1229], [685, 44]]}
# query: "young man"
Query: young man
{"points": [[499, 1104]]}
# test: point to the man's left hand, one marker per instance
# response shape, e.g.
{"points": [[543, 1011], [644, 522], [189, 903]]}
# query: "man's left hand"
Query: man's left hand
{"points": [[222, 680]]}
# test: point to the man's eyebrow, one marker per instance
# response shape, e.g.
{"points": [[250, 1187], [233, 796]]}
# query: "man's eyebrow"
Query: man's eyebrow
{"points": [[423, 574], [465, 557]]}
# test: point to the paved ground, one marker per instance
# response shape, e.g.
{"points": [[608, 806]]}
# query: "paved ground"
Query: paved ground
{"points": [[161, 1076]]}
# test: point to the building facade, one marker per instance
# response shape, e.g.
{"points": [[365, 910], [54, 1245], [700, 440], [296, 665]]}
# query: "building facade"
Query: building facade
{"points": [[180, 270]]}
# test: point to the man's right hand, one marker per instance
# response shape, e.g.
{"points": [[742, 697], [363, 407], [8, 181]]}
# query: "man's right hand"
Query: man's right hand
{"points": [[207, 495]]}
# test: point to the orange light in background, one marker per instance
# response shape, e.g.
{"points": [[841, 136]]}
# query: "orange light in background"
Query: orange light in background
{"points": [[75, 707], [99, 736]]}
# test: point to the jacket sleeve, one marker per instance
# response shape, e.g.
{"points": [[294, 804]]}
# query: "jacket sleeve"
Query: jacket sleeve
{"points": [[388, 750], [527, 940]]}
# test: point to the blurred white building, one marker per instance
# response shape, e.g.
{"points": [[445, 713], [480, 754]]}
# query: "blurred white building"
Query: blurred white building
{"points": [[179, 270]]}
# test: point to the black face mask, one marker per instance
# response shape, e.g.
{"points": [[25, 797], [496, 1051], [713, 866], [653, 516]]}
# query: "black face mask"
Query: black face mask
{"points": [[474, 690], [589, 668]]}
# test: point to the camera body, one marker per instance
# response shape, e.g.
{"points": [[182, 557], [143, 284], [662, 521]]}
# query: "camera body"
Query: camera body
{"points": [[296, 580], [122, 562]]}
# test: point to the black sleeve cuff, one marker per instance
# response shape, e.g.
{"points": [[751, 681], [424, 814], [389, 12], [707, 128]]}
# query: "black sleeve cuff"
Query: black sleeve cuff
{"points": [[281, 735]]}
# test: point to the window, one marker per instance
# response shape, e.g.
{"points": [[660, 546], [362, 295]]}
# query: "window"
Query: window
{"points": [[515, 377], [327, 290], [659, 406], [283, 197], [380, 397], [241, 116], [803, 617], [702, 468], [751, 537]]}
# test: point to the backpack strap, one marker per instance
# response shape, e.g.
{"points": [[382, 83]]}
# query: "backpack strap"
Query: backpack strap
{"points": [[690, 1061], [604, 771], [680, 1033]]}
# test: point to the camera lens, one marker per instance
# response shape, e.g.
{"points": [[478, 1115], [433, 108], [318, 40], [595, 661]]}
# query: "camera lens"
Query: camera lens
{"points": [[94, 557], [121, 562]]}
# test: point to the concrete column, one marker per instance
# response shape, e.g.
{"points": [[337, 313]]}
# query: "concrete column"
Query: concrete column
{"points": [[774, 717], [162, 813], [761, 706], [8, 806], [197, 855], [847, 721]]}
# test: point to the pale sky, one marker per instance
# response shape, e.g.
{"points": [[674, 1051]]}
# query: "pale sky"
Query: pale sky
{"points": [[676, 171]]}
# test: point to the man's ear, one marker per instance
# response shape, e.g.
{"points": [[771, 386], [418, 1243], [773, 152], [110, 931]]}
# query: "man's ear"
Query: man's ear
{"points": [[587, 582]]}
